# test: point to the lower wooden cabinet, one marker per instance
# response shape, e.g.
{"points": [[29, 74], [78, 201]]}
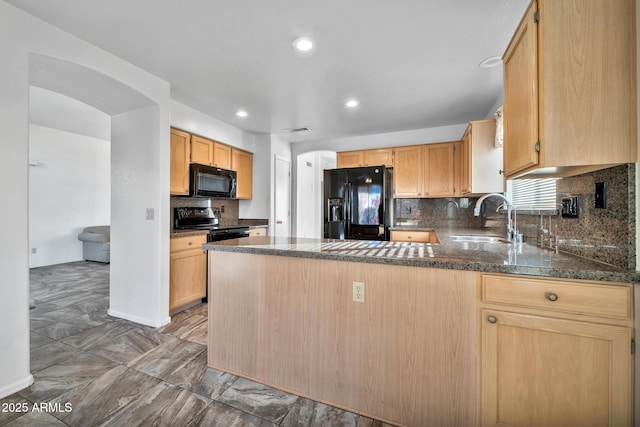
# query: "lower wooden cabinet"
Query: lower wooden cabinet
{"points": [[560, 365], [414, 236], [257, 232], [188, 271]]}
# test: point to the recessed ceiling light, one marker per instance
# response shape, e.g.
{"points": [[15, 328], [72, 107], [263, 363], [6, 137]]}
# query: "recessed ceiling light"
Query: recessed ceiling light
{"points": [[352, 103], [492, 61], [241, 113], [303, 44]]}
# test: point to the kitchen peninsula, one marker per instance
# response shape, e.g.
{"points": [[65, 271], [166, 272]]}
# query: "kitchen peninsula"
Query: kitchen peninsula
{"points": [[422, 348]]}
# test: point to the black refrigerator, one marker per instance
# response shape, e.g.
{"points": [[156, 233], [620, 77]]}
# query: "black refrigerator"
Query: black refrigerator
{"points": [[357, 203]]}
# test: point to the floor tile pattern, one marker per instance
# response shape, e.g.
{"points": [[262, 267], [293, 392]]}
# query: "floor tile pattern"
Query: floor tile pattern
{"points": [[91, 369]]}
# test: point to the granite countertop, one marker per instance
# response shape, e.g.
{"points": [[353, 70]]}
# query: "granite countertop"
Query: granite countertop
{"points": [[187, 233], [508, 258]]}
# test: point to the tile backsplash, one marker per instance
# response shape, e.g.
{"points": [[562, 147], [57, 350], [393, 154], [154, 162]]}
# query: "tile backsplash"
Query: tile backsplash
{"points": [[603, 235]]}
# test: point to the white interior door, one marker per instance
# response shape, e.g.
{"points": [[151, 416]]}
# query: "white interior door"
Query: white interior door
{"points": [[282, 197]]}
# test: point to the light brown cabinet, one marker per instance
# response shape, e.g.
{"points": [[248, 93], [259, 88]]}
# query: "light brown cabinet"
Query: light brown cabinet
{"points": [[359, 158], [438, 170], [187, 148], [201, 150], [208, 152], [180, 144], [570, 99], [262, 231], [414, 236], [425, 170], [242, 163], [555, 352], [481, 168], [407, 171], [187, 270], [221, 155]]}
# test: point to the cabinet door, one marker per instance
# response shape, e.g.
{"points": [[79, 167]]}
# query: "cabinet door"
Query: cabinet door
{"points": [[188, 277], [539, 371], [457, 169], [465, 159], [350, 159], [407, 171], [438, 170], [521, 97], [378, 157], [221, 155], [201, 150], [242, 163], [180, 154]]}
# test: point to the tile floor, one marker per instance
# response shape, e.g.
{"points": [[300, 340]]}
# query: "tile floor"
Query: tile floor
{"points": [[91, 369]]}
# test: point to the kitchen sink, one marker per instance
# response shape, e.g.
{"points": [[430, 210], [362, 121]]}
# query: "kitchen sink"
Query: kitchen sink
{"points": [[478, 239]]}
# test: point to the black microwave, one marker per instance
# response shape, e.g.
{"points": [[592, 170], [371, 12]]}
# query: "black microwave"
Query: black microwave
{"points": [[209, 181]]}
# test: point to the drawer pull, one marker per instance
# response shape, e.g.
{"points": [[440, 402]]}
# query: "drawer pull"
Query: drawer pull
{"points": [[492, 319], [190, 243], [552, 297]]}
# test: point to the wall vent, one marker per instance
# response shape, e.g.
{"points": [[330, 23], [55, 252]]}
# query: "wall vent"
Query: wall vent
{"points": [[300, 129]]}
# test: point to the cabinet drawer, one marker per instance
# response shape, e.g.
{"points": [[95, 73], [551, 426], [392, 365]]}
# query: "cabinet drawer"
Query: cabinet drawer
{"points": [[414, 236], [190, 242], [588, 298], [257, 232]]}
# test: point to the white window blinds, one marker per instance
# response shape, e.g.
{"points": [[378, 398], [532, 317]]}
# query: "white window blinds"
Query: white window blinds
{"points": [[532, 194]]}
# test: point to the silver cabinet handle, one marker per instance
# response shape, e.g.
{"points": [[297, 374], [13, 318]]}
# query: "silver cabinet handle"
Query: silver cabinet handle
{"points": [[492, 319], [278, 222], [552, 297]]}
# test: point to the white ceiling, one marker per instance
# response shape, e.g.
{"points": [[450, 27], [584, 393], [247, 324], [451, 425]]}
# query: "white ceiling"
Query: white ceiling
{"points": [[412, 63]]}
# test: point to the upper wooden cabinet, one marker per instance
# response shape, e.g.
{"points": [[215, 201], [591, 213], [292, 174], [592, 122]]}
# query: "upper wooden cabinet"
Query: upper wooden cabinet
{"points": [[208, 152], [187, 148], [374, 157], [481, 161], [242, 163], [221, 156], [424, 170], [201, 150], [570, 99], [407, 171], [180, 155], [438, 170]]}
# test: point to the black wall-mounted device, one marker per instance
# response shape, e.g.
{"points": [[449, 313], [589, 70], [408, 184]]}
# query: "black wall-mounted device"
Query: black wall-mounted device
{"points": [[601, 195], [570, 207]]}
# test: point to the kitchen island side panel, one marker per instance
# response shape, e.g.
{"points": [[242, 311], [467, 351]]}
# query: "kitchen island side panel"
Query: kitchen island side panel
{"points": [[408, 355]]}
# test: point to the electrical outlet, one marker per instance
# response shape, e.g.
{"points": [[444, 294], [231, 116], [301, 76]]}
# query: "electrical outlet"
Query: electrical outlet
{"points": [[149, 215], [358, 291]]}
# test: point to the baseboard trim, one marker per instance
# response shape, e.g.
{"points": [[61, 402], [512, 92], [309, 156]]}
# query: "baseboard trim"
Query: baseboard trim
{"points": [[16, 386], [138, 319]]}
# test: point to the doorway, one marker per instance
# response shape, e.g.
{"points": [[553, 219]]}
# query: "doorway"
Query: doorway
{"points": [[282, 197]]}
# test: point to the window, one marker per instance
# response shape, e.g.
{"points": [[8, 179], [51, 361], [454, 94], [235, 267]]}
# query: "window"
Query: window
{"points": [[533, 194]]}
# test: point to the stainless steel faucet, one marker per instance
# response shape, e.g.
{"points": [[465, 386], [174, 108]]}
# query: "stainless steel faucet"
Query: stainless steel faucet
{"points": [[512, 231]]}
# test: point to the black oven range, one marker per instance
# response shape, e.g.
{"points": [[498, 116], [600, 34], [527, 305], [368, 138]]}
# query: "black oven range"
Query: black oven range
{"points": [[196, 218]]}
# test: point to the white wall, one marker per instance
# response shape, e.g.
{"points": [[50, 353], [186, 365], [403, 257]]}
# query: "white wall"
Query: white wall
{"points": [[137, 294], [23, 40], [69, 189], [260, 203], [309, 183]]}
